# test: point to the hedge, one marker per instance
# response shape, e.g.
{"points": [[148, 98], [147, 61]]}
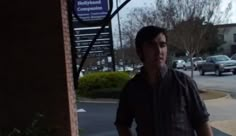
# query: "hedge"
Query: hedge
{"points": [[102, 84]]}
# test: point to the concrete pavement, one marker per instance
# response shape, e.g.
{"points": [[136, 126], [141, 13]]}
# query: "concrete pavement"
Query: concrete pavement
{"points": [[223, 111], [226, 126], [223, 114]]}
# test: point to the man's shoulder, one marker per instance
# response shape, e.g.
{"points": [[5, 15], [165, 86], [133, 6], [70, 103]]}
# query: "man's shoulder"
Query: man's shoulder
{"points": [[181, 77], [137, 79], [176, 73], [133, 83]]}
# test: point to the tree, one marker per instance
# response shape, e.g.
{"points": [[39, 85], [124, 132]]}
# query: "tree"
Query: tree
{"points": [[172, 12], [193, 36], [190, 22], [214, 42], [129, 33], [128, 39], [130, 56], [192, 25]]}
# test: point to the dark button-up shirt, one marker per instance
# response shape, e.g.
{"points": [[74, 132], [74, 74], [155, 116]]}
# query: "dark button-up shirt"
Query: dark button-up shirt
{"points": [[174, 108]]}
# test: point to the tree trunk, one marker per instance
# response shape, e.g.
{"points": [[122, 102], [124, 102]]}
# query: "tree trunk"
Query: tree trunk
{"points": [[191, 60]]}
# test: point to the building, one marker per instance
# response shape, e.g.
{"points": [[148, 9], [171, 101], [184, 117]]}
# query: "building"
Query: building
{"points": [[227, 33]]}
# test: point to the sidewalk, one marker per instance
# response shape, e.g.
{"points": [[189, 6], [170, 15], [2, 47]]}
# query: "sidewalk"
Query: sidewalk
{"points": [[223, 114]]}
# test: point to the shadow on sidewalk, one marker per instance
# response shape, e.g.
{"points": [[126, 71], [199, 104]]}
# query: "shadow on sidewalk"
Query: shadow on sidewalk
{"points": [[217, 132]]}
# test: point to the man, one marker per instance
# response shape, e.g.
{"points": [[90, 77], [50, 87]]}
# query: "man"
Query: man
{"points": [[163, 102]]}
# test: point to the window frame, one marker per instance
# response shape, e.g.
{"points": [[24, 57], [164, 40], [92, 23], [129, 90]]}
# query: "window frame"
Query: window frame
{"points": [[234, 37]]}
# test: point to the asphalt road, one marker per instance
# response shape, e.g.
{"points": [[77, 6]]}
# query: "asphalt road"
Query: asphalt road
{"points": [[98, 120], [226, 82]]}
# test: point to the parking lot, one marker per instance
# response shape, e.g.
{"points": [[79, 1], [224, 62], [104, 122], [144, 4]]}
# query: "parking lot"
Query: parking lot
{"points": [[226, 82]]}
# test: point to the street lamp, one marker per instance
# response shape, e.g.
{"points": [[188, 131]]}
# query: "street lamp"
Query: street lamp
{"points": [[120, 38]]}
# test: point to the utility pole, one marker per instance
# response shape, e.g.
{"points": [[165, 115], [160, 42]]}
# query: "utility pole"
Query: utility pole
{"points": [[120, 38]]}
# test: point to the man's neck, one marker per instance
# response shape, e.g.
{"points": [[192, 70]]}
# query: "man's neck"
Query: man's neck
{"points": [[152, 76]]}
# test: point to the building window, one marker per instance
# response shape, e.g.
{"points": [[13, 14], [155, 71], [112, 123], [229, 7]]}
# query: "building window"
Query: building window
{"points": [[234, 37]]}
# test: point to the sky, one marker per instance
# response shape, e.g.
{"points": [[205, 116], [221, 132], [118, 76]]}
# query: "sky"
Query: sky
{"points": [[145, 3], [148, 3]]}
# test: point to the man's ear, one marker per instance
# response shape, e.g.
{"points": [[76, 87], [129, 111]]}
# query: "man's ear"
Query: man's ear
{"points": [[140, 53]]}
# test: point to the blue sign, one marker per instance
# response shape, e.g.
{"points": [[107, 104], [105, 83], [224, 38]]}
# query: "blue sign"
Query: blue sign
{"points": [[91, 10]]}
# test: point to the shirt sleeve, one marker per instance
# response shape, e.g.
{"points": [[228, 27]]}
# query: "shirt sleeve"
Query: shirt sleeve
{"points": [[124, 115], [197, 108]]}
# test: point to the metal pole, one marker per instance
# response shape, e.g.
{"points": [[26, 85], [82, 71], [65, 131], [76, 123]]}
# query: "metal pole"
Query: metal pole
{"points": [[121, 45], [112, 50]]}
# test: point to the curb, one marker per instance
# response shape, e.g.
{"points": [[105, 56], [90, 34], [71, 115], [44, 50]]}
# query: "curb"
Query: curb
{"points": [[103, 100], [115, 101], [227, 94]]}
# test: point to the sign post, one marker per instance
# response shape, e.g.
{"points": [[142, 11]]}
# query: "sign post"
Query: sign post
{"points": [[92, 13], [91, 10]]}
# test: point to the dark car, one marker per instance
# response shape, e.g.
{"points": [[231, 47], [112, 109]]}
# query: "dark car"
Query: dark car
{"points": [[196, 61], [218, 64]]}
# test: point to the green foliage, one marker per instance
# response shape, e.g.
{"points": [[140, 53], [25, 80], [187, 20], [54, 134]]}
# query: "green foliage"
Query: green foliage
{"points": [[33, 130], [102, 84], [104, 93], [214, 41]]}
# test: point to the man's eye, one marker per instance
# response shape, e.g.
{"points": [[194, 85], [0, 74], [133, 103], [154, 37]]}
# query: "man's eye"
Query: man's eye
{"points": [[151, 43], [162, 45]]}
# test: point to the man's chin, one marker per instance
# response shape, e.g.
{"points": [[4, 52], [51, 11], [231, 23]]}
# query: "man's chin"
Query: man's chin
{"points": [[157, 65], [163, 65]]}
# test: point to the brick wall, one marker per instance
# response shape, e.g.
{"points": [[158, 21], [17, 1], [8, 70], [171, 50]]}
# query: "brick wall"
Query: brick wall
{"points": [[36, 71], [68, 61]]}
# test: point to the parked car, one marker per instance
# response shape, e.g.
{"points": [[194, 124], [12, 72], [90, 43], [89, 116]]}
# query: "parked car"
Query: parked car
{"points": [[196, 61], [178, 64], [218, 64], [127, 68], [233, 57], [82, 72]]}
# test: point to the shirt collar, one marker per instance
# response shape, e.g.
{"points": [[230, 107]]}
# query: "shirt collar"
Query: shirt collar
{"points": [[163, 71]]}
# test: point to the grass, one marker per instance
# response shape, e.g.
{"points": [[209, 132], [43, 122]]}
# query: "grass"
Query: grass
{"points": [[210, 94]]}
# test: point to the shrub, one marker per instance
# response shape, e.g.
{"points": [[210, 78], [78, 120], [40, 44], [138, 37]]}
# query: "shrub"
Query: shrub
{"points": [[102, 84], [34, 129], [104, 93]]}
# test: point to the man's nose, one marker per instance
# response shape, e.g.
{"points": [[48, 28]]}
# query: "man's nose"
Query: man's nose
{"points": [[157, 49]]}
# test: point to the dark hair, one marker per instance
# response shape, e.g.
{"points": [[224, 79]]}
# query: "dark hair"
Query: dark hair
{"points": [[148, 33]]}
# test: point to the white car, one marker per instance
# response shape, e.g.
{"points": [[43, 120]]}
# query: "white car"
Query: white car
{"points": [[179, 64], [196, 61], [127, 68], [81, 74]]}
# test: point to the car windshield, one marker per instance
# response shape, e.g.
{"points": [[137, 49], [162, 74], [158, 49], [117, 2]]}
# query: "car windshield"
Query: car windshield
{"points": [[234, 56], [180, 61], [196, 59], [221, 58]]}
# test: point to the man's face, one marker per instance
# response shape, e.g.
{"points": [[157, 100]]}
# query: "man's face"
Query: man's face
{"points": [[154, 53]]}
